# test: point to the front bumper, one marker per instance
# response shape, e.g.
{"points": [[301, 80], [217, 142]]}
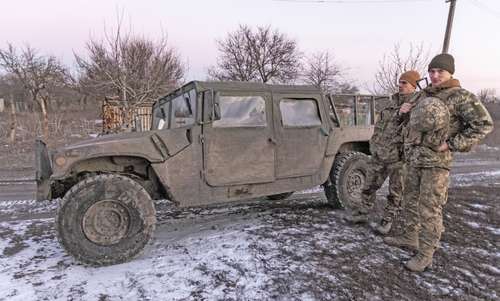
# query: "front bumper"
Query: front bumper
{"points": [[43, 170]]}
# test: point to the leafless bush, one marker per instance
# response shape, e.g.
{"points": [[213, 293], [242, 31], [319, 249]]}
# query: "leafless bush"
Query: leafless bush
{"points": [[133, 68], [38, 74], [321, 70], [488, 96], [395, 63]]}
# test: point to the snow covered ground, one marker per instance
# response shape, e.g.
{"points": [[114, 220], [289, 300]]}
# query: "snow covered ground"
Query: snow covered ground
{"points": [[297, 249]]}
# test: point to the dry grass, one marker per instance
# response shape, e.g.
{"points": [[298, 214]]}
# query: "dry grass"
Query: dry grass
{"points": [[65, 128]]}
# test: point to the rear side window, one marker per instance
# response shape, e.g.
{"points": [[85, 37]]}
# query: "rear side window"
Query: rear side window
{"points": [[241, 111], [299, 112]]}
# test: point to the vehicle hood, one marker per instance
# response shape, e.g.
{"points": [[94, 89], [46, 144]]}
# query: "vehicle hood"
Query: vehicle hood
{"points": [[154, 146], [124, 144]]}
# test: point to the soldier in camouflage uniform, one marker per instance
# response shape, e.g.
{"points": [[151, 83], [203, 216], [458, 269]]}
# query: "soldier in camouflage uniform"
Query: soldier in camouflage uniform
{"points": [[386, 147], [444, 118]]}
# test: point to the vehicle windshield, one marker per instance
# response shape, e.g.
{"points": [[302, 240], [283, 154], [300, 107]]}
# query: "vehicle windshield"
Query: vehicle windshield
{"points": [[176, 112]]}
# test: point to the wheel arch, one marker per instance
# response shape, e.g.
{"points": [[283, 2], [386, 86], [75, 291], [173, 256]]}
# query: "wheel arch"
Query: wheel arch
{"points": [[355, 146], [135, 167]]}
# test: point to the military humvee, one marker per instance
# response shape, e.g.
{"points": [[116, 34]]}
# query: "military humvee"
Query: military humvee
{"points": [[210, 142]]}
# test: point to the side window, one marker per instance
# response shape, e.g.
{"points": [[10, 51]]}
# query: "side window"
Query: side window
{"points": [[161, 117], [364, 111], [299, 112], [345, 109], [183, 110], [241, 111]]}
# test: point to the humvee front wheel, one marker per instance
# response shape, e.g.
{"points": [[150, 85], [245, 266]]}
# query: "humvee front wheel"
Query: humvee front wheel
{"points": [[347, 178], [105, 219]]}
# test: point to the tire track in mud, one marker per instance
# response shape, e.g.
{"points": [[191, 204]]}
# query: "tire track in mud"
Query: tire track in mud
{"points": [[301, 250]]}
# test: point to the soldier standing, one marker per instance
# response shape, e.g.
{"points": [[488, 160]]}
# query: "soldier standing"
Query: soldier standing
{"points": [[386, 148], [445, 119]]}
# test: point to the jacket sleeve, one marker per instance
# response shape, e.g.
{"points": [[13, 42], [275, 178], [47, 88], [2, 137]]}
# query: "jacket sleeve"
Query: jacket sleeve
{"points": [[475, 121]]}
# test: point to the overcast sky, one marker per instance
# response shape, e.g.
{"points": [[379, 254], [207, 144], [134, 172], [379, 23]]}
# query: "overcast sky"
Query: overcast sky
{"points": [[358, 33]]}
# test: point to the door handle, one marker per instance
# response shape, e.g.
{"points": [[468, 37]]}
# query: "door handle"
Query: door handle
{"points": [[272, 140]]}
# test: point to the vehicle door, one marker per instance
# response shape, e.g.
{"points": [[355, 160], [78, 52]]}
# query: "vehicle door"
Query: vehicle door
{"points": [[302, 132], [238, 143]]}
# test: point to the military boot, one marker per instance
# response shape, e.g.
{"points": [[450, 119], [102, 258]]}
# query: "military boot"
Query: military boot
{"points": [[384, 227], [357, 217], [419, 262], [407, 240]]}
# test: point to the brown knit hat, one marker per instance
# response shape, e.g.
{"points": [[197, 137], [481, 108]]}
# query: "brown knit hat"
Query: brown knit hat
{"points": [[411, 76]]}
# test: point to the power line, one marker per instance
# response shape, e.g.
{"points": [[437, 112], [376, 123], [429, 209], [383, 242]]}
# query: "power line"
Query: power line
{"points": [[352, 1], [486, 8]]}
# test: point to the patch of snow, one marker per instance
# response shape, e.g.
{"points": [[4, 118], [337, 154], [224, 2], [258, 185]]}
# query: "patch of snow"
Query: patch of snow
{"points": [[203, 264], [485, 147], [473, 225], [473, 213], [495, 231], [480, 206], [474, 178], [467, 273], [316, 189], [492, 269]]}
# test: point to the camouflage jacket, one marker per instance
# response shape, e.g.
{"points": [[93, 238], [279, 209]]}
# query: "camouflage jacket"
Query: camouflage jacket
{"points": [[386, 144], [469, 122]]}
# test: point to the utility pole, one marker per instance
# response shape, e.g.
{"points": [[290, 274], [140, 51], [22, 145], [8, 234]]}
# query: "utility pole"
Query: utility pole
{"points": [[451, 14]]}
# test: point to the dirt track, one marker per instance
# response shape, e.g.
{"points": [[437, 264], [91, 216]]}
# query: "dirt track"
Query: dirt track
{"points": [[298, 249]]}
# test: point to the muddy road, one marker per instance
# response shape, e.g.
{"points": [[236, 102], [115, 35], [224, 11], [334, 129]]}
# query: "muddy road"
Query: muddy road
{"points": [[298, 249]]}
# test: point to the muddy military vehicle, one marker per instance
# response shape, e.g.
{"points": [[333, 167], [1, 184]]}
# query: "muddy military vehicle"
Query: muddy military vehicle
{"points": [[210, 142]]}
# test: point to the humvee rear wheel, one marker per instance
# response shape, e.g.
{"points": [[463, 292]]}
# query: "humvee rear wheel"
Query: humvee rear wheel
{"points": [[105, 219], [347, 178], [279, 196]]}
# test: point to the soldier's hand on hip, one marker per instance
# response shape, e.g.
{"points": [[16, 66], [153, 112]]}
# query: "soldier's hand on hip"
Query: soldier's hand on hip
{"points": [[443, 147], [405, 108]]}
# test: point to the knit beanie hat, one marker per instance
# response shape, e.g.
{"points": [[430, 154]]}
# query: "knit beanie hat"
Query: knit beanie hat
{"points": [[443, 61], [411, 77]]}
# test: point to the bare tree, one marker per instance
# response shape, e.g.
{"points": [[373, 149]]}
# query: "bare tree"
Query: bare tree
{"points": [[346, 87], [321, 71], [263, 55], [37, 73], [132, 67], [8, 84], [487, 95], [395, 63]]}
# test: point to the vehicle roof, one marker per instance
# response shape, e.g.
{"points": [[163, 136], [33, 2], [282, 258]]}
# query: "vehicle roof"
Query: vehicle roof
{"points": [[241, 86], [235, 85]]}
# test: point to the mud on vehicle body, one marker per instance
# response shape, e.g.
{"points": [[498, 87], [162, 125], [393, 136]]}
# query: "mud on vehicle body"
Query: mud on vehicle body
{"points": [[210, 142]]}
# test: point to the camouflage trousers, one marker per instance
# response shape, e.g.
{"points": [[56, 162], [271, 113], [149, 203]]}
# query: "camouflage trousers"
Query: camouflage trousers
{"points": [[425, 194], [378, 172]]}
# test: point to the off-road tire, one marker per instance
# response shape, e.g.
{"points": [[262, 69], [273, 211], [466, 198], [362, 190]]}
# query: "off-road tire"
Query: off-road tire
{"points": [[279, 196], [347, 177], [128, 209]]}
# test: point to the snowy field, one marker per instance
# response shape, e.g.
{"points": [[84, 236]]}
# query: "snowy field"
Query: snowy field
{"points": [[298, 249]]}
